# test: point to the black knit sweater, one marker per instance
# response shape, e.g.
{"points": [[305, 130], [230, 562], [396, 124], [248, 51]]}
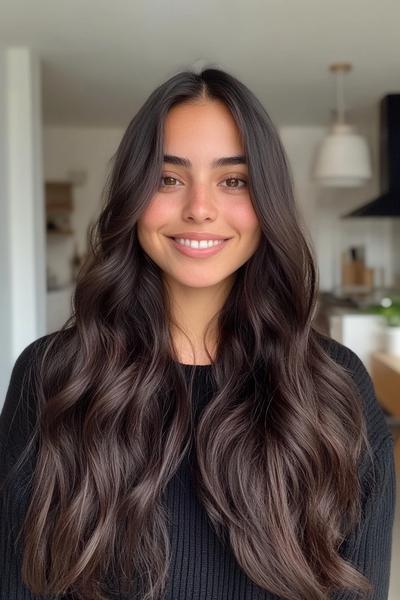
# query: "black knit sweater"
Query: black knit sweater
{"points": [[201, 568]]}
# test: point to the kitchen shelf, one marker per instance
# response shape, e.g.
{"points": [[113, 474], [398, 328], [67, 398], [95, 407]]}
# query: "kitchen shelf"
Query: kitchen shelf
{"points": [[59, 197]]}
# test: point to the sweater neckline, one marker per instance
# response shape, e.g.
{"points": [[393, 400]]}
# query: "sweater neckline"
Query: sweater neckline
{"points": [[188, 366]]}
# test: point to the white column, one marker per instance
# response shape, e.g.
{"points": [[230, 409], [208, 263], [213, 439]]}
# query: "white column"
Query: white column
{"points": [[22, 222]]}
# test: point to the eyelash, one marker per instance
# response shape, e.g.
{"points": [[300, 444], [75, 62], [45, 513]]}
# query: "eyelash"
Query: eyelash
{"points": [[226, 179]]}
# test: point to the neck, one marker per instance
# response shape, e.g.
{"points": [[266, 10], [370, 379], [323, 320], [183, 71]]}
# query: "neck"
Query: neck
{"points": [[193, 316]]}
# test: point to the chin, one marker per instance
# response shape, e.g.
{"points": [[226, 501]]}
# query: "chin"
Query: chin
{"points": [[197, 281]]}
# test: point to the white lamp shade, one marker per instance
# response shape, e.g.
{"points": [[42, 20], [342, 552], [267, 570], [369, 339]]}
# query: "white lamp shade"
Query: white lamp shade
{"points": [[343, 159]]}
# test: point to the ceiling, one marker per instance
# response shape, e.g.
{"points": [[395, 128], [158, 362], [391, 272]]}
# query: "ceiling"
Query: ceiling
{"points": [[102, 59]]}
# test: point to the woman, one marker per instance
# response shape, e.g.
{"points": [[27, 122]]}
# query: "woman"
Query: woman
{"points": [[188, 433]]}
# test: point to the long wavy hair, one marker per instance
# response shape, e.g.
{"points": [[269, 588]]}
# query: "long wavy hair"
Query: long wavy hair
{"points": [[277, 463]]}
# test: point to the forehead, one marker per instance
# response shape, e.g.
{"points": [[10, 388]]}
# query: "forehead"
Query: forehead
{"points": [[207, 126]]}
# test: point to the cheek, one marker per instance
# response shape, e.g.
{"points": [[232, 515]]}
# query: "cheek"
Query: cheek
{"points": [[244, 219], [156, 215], [154, 220]]}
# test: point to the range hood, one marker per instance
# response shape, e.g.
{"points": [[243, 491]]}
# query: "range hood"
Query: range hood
{"points": [[388, 202]]}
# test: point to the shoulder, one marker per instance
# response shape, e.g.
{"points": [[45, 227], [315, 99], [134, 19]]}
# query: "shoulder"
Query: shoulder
{"points": [[18, 412], [376, 470], [28, 355], [25, 362], [379, 433]]}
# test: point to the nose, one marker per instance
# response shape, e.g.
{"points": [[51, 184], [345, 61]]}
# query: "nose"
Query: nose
{"points": [[200, 203]]}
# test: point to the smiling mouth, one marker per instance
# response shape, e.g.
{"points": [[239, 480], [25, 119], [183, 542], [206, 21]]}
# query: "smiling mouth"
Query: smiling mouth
{"points": [[222, 239], [198, 251]]}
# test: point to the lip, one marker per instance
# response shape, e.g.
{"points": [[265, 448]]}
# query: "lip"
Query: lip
{"points": [[191, 235], [199, 252]]}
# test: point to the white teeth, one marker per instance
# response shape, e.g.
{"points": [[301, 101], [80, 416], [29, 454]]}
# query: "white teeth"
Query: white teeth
{"points": [[198, 243]]}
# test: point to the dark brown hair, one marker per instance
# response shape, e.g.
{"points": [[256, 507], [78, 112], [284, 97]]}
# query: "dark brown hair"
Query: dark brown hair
{"points": [[114, 411]]}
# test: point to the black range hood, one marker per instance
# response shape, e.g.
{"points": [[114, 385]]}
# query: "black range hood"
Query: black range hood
{"points": [[388, 202]]}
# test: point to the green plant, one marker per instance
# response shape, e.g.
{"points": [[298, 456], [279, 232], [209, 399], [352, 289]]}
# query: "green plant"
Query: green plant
{"points": [[389, 309]]}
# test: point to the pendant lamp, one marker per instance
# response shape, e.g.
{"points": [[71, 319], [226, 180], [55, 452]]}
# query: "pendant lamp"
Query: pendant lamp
{"points": [[343, 158]]}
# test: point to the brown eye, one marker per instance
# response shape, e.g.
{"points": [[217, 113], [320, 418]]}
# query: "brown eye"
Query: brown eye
{"points": [[170, 181], [232, 182]]}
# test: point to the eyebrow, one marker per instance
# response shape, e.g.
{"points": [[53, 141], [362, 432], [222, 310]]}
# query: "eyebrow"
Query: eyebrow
{"points": [[217, 162]]}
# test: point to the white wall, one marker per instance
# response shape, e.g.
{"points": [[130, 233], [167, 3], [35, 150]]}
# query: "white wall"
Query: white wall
{"points": [[5, 271], [22, 256]]}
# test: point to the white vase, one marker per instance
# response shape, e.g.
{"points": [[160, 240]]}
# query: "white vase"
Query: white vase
{"points": [[392, 340]]}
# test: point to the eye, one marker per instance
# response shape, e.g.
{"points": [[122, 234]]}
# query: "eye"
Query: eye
{"points": [[233, 183], [171, 181]]}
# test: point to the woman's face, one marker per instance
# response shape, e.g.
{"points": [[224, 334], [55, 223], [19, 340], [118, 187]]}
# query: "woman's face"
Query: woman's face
{"points": [[198, 197]]}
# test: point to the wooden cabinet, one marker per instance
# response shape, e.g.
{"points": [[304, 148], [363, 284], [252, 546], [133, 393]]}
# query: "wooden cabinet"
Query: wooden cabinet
{"points": [[385, 374]]}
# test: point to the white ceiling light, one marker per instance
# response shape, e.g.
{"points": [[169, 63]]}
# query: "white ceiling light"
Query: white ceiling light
{"points": [[343, 158]]}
